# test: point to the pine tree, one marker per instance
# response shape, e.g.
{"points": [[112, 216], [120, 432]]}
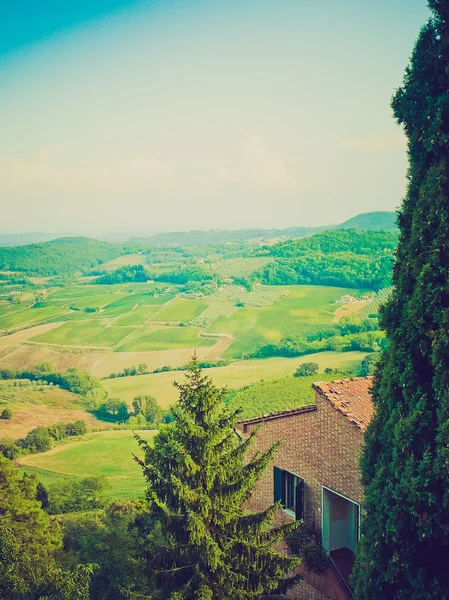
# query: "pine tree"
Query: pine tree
{"points": [[199, 483], [404, 552]]}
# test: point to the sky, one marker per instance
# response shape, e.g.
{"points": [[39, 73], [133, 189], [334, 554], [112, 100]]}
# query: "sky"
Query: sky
{"points": [[162, 115]]}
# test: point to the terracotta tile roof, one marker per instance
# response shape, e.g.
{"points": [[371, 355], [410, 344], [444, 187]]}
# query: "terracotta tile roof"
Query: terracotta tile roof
{"points": [[351, 397]]}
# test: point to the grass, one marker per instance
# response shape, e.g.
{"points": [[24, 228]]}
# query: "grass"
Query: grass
{"points": [[81, 291], [181, 311], [234, 376], [28, 317], [128, 259], [84, 333], [106, 453], [164, 338], [35, 405], [95, 301], [278, 394], [137, 316], [239, 267], [303, 311]]}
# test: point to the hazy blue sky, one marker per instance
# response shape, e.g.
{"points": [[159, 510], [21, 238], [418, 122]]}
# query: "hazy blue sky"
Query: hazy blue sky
{"points": [[177, 114]]}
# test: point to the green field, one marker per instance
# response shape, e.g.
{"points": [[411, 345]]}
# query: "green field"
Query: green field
{"points": [[128, 259], [81, 291], [164, 338], [137, 316], [239, 267], [29, 316], [234, 376], [106, 453], [84, 333], [96, 302], [181, 311], [277, 394], [303, 311]]}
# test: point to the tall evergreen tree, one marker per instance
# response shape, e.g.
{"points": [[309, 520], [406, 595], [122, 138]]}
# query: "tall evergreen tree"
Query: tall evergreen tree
{"points": [[404, 552], [199, 483]]}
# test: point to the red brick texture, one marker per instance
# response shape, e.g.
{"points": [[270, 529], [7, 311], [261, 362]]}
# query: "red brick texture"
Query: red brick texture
{"points": [[321, 444]]}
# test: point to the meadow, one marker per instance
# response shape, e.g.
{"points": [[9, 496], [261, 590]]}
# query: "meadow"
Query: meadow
{"points": [[34, 405], [105, 453], [234, 375]]}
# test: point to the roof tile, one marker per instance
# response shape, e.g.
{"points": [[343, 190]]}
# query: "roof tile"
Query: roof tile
{"points": [[351, 397]]}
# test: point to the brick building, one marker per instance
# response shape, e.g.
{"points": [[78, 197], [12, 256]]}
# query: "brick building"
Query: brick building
{"points": [[316, 472]]}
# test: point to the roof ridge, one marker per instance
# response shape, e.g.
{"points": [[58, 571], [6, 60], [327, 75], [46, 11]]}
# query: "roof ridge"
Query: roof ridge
{"points": [[278, 414]]}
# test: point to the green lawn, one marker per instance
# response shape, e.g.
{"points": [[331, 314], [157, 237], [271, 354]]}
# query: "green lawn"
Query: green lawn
{"points": [[235, 375], [181, 311], [84, 333], [106, 453], [164, 338]]}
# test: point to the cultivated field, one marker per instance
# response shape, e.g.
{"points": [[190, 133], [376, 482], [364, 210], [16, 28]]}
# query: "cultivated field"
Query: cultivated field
{"points": [[165, 338], [277, 394], [129, 325], [180, 311], [85, 333], [108, 454], [303, 311], [235, 375]]}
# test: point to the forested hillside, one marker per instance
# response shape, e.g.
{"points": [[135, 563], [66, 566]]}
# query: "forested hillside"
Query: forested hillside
{"points": [[338, 258], [371, 221], [60, 257]]}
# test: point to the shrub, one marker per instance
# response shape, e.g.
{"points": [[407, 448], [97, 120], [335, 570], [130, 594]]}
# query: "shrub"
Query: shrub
{"points": [[9, 449], [315, 558], [302, 543], [37, 440], [7, 413], [75, 495], [307, 369]]}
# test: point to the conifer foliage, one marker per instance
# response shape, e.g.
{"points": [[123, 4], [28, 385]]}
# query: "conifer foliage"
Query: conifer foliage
{"points": [[199, 482], [404, 551]]}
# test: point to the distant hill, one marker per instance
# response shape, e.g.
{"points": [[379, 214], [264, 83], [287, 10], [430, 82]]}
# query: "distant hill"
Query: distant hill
{"points": [[21, 239], [220, 236], [371, 221], [62, 256]]}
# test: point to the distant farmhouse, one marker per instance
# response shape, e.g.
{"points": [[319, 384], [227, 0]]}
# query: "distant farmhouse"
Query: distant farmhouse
{"points": [[316, 476]]}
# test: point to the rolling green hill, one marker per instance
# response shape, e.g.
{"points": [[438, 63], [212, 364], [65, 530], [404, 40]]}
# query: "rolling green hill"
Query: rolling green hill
{"points": [[63, 256], [371, 221]]}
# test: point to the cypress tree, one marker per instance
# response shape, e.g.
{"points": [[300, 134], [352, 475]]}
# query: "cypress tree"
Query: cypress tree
{"points": [[199, 482], [404, 551]]}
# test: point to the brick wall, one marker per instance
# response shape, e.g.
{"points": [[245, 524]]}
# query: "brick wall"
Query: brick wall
{"points": [[322, 446]]}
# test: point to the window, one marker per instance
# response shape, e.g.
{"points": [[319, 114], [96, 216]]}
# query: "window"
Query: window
{"points": [[289, 490]]}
